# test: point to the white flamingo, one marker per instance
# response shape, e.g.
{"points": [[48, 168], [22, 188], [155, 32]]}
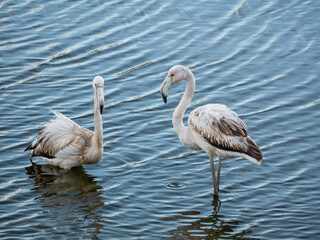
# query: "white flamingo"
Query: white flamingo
{"points": [[64, 143], [213, 127]]}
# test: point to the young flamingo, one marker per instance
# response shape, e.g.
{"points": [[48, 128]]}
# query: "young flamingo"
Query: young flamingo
{"points": [[213, 127], [64, 143]]}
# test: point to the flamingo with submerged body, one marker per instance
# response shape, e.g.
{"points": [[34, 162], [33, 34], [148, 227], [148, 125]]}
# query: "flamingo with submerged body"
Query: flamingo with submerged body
{"points": [[64, 143], [213, 127]]}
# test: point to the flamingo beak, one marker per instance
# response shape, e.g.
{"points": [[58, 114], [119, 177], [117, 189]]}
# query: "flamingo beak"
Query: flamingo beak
{"points": [[100, 98], [101, 109], [165, 87]]}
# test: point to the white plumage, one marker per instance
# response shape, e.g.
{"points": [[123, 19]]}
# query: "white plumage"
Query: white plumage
{"points": [[64, 143], [213, 127]]}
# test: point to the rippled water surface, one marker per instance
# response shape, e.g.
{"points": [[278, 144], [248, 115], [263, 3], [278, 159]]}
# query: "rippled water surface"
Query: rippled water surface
{"points": [[260, 58]]}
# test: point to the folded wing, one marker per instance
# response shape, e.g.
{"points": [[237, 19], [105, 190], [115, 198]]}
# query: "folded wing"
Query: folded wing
{"points": [[58, 135], [223, 129]]}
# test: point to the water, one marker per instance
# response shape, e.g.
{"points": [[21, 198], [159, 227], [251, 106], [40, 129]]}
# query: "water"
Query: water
{"points": [[260, 58]]}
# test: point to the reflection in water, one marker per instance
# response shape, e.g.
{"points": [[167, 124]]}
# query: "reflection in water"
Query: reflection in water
{"points": [[70, 198], [212, 227]]}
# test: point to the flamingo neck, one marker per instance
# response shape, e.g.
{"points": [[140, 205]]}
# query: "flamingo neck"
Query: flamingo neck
{"points": [[98, 130], [177, 119]]}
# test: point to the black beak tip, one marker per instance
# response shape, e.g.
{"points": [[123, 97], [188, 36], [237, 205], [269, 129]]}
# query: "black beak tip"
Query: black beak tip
{"points": [[101, 109], [164, 98]]}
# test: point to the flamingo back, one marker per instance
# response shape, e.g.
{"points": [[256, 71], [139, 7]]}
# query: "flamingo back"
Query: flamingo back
{"points": [[224, 130]]}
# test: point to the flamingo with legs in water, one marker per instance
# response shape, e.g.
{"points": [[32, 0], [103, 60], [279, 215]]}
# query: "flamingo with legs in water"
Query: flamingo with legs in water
{"points": [[64, 143], [213, 127]]}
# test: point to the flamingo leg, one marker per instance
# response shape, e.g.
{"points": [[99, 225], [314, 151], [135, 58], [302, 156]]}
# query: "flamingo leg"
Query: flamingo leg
{"points": [[31, 161], [218, 172], [215, 186]]}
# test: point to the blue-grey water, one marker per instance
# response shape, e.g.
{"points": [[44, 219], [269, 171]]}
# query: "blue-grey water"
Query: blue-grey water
{"points": [[260, 58]]}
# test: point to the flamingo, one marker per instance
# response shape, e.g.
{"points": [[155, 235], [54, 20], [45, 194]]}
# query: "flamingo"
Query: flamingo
{"points": [[213, 127], [64, 143]]}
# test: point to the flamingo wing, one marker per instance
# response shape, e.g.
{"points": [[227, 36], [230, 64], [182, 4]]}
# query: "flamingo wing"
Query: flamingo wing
{"points": [[59, 135], [223, 129]]}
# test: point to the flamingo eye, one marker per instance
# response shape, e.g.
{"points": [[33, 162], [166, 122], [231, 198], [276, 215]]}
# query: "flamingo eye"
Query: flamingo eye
{"points": [[172, 74]]}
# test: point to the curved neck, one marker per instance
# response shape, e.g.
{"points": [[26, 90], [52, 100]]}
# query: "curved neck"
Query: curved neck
{"points": [[98, 131], [177, 119]]}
